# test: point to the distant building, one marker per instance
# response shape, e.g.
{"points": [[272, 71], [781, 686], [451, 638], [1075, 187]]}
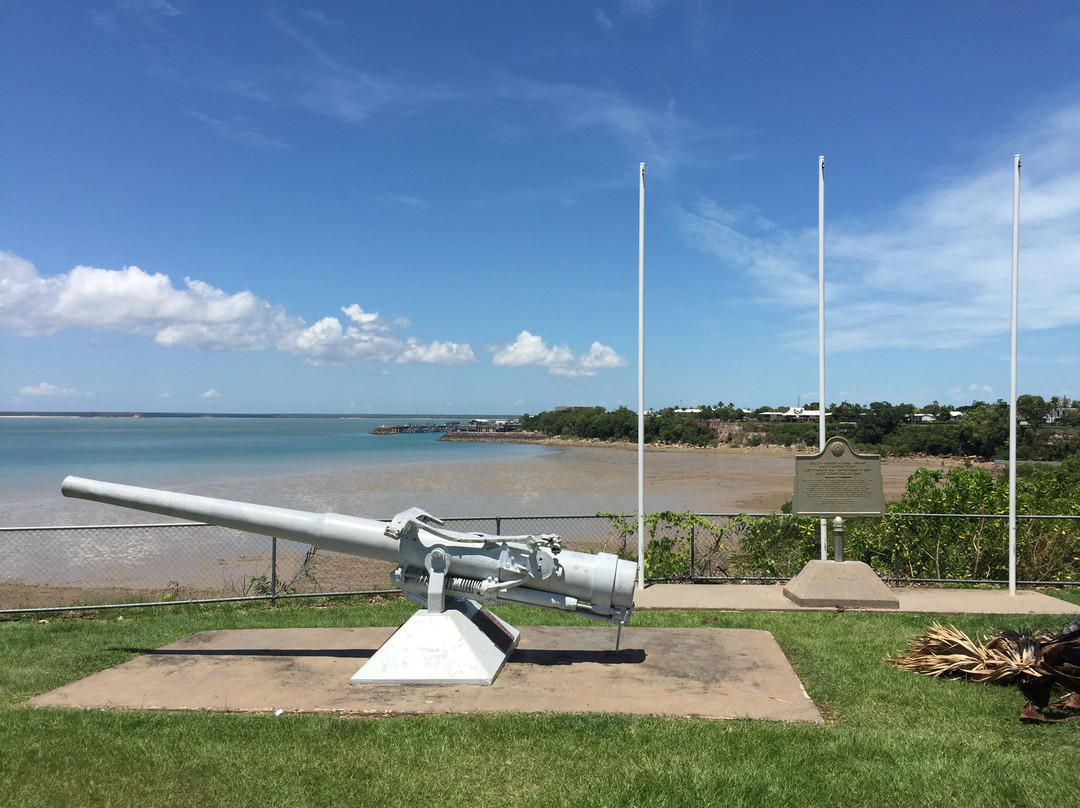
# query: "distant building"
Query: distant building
{"points": [[929, 418], [1058, 413], [793, 414]]}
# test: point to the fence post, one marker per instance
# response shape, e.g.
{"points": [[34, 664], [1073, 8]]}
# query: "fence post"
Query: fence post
{"points": [[273, 570], [498, 525], [693, 573]]}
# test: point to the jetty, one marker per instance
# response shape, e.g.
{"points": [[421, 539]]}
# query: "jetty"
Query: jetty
{"points": [[477, 427], [409, 429]]}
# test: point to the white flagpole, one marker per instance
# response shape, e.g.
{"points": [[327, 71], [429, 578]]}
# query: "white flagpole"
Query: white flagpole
{"points": [[641, 385], [821, 332], [1012, 374]]}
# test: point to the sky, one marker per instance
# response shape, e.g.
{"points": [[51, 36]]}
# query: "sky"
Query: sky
{"points": [[430, 207]]}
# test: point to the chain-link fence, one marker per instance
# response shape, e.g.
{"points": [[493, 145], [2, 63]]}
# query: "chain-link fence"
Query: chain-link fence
{"points": [[43, 567], [66, 567]]}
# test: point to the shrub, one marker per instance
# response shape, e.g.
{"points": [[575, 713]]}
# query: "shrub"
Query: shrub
{"points": [[778, 545], [670, 536]]}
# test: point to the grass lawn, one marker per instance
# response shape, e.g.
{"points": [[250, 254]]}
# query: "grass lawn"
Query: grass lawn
{"points": [[891, 738]]}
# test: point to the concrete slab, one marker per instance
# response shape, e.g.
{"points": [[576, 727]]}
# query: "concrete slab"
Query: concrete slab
{"points": [[770, 597], [712, 673]]}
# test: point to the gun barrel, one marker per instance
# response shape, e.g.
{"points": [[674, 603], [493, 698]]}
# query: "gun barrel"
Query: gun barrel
{"points": [[328, 531]]}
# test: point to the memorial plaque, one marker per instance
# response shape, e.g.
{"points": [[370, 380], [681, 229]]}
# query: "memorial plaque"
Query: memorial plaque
{"points": [[838, 482]]}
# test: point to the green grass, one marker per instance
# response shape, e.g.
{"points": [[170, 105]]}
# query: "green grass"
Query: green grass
{"points": [[892, 738]]}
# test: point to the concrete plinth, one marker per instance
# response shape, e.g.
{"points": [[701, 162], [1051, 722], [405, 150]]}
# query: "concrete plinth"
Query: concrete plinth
{"points": [[847, 584], [464, 645]]}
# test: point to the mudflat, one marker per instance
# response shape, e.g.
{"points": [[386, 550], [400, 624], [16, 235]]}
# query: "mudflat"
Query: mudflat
{"points": [[575, 480], [572, 480]]}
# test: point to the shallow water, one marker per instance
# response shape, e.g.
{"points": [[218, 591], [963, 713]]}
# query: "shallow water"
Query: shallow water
{"points": [[336, 465], [207, 454]]}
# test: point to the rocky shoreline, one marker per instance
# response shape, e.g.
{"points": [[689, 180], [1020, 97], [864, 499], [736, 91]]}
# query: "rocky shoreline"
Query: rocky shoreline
{"points": [[496, 437], [760, 450], [624, 445]]}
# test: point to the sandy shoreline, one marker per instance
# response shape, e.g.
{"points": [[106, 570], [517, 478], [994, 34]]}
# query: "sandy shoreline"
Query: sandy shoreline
{"points": [[577, 479]]}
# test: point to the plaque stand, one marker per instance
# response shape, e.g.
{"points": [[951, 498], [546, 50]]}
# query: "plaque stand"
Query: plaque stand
{"points": [[838, 538], [840, 584], [836, 483]]}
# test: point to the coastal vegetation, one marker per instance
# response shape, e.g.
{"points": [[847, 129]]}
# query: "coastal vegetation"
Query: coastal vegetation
{"points": [[911, 740], [666, 426], [1047, 430], [946, 527], [970, 542]]}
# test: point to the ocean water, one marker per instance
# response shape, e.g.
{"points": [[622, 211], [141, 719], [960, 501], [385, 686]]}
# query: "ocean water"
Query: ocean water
{"points": [[36, 453], [319, 464]]}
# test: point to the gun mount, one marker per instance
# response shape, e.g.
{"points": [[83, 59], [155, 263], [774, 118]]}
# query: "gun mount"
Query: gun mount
{"points": [[452, 639]]}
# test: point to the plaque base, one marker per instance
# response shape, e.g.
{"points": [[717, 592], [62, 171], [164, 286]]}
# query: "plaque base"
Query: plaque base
{"points": [[847, 584]]}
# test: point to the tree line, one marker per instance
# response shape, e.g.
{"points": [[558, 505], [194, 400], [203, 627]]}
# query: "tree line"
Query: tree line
{"points": [[595, 423], [981, 431]]}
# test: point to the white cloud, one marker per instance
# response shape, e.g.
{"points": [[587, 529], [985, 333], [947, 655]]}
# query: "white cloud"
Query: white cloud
{"points": [[642, 7], [329, 85], [201, 317], [601, 357], [47, 390], [936, 272], [660, 136], [211, 393], [243, 133], [407, 201], [973, 392], [531, 350], [333, 88], [437, 353]]}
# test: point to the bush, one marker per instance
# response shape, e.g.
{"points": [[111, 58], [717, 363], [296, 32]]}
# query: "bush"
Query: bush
{"points": [[774, 546], [970, 542], [670, 536], [973, 545]]}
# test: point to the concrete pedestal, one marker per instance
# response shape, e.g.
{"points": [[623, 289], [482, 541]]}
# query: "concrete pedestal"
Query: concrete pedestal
{"points": [[847, 584], [464, 645]]}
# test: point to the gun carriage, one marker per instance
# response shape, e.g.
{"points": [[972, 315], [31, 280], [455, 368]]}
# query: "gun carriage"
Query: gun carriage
{"points": [[449, 574]]}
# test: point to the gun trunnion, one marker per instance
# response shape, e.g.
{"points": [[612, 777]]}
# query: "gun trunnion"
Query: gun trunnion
{"points": [[445, 572]]}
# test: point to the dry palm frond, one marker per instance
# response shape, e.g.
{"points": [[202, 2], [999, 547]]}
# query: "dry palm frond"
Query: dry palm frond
{"points": [[1036, 664], [947, 651]]}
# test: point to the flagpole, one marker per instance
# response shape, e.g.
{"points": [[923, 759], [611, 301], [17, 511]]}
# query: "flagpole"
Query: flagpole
{"points": [[641, 383], [1012, 373], [821, 332]]}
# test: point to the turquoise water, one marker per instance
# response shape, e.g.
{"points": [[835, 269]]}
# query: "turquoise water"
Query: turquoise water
{"points": [[37, 453]]}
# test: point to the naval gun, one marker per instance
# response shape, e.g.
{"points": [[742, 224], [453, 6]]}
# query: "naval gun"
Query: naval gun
{"points": [[453, 638]]}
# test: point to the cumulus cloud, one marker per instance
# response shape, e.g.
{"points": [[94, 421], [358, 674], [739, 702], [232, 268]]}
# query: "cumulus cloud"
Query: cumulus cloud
{"points": [[201, 317], [531, 350], [211, 393], [936, 271]]}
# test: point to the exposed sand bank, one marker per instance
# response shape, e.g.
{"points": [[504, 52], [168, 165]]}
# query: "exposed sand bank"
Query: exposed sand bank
{"points": [[575, 480]]}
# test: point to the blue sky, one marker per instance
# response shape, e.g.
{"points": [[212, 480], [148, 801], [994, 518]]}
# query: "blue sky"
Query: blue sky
{"points": [[433, 207]]}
